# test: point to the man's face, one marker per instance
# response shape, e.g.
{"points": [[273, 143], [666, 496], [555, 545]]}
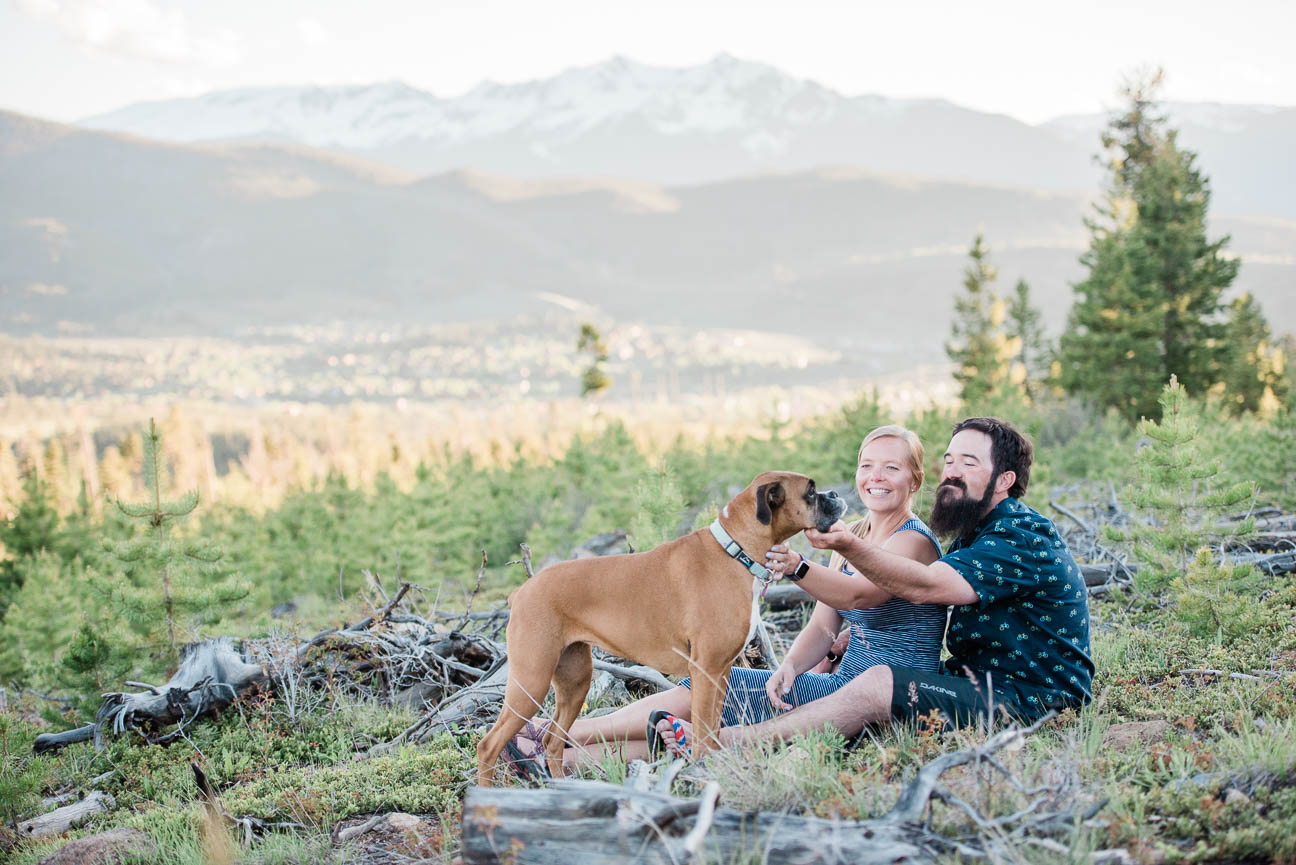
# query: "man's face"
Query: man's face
{"points": [[967, 485], [968, 464]]}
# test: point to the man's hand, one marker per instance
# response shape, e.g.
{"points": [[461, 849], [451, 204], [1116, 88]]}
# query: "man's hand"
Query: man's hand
{"points": [[838, 538]]}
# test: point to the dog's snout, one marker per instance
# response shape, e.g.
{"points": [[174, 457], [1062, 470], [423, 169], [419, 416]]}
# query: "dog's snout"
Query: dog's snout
{"points": [[831, 507]]}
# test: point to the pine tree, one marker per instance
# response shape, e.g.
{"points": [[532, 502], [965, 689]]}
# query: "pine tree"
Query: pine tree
{"points": [[594, 380], [56, 475], [163, 581], [977, 345], [1179, 492], [1254, 375], [10, 481], [659, 509], [1218, 599], [1149, 306], [34, 528], [1025, 332]]}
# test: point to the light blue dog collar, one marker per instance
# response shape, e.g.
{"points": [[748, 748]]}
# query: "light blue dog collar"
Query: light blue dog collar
{"points": [[735, 551]]}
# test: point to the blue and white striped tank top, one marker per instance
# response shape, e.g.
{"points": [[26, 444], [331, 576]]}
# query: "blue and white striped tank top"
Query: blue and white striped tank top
{"points": [[897, 633]]}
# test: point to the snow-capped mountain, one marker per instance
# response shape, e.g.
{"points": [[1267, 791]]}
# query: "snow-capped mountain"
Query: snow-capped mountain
{"points": [[725, 95], [719, 120], [724, 118]]}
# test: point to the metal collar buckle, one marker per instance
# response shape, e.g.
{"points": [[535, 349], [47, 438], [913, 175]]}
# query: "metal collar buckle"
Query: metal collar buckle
{"points": [[736, 552]]}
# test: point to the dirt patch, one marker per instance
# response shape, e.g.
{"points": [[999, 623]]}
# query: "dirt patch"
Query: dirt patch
{"points": [[394, 838], [1135, 734], [106, 848]]}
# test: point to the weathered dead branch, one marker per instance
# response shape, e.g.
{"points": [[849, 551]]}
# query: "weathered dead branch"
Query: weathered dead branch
{"points": [[579, 822], [62, 819]]}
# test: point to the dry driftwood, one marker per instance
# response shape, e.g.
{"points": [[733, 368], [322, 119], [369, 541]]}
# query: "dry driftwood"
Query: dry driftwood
{"points": [[211, 676], [59, 821], [379, 656], [592, 823]]}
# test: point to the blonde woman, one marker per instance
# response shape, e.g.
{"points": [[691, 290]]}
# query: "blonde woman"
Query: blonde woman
{"points": [[883, 629]]}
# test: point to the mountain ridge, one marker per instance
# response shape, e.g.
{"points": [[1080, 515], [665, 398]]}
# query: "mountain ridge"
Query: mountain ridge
{"points": [[724, 118], [113, 235]]}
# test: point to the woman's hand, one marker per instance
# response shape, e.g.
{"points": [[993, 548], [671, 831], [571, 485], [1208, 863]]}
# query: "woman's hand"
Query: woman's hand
{"points": [[781, 561], [838, 538], [779, 685]]}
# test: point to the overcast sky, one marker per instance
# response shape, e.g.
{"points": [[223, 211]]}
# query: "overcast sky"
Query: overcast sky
{"points": [[66, 59]]}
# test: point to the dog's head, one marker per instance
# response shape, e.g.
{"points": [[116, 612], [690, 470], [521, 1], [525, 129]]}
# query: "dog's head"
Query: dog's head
{"points": [[789, 503]]}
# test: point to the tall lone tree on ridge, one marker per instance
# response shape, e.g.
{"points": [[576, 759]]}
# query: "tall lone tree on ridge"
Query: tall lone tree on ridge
{"points": [[594, 380], [1150, 305]]}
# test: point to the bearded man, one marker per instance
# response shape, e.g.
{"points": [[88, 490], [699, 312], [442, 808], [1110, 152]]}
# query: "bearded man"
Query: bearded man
{"points": [[1018, 632]]}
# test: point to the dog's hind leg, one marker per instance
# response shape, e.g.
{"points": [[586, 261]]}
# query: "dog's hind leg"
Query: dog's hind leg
{"points": [[571, 682], [528, 683]]}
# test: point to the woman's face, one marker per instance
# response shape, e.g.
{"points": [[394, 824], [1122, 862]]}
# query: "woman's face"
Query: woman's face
{"points": [[883, 479]]}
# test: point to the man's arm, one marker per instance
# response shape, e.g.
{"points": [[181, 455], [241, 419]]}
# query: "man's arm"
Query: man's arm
{"points": [[937, 583]]}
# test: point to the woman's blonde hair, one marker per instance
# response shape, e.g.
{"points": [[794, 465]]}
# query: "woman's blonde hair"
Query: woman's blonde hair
{"points": [[860, 527]]}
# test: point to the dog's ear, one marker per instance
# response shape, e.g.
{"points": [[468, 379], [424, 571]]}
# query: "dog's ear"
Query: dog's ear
{"points": [[768, 497]]}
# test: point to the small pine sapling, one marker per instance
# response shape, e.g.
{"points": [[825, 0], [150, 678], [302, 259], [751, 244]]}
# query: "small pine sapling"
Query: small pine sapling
{"points": [[160, 582], [1219, 600], [1180, 493]]}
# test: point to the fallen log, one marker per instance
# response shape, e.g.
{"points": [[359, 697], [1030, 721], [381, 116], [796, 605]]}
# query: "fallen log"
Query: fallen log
{"points": [[62, 819], [572, 822], [212, 675], [1275, 564]]}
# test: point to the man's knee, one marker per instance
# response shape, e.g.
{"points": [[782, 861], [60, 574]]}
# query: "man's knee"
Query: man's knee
{"points": [[869, 693]]}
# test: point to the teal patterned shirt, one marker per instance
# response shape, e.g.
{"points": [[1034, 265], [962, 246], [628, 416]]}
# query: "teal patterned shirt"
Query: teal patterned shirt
{"points": [[1030, 631]]}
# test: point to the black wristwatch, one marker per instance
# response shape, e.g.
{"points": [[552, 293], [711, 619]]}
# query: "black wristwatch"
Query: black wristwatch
{"points": [[801, 570]]}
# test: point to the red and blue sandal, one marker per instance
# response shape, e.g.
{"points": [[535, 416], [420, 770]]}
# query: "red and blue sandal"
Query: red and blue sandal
{"points": [[655, 744]]}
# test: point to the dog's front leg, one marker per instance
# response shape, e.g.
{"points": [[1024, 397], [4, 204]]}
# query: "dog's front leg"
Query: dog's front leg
{"points": [[709, 683]]}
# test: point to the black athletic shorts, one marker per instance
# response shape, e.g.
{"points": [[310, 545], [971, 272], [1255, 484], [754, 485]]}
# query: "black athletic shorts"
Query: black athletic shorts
{"points": [[961, 700]]}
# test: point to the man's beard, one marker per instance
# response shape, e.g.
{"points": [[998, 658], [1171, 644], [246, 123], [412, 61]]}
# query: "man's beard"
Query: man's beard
{"points": [[959, 515]]}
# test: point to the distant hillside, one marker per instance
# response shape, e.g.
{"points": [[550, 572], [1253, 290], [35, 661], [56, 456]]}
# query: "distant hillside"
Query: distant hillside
{"points": [[720, 120], [118, 235]]}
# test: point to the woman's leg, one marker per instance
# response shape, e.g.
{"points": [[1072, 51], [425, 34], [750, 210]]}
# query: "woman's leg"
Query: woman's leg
{"points": [[630, 722]]}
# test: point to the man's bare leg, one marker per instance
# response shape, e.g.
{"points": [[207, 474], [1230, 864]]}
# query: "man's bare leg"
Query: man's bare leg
{"points": [[863, 700]]}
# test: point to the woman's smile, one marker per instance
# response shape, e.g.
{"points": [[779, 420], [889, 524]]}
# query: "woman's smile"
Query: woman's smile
{"points": [[883, 480]]}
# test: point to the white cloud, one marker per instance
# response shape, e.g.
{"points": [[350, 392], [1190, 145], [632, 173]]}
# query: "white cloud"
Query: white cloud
{"points": [[138, 28]]}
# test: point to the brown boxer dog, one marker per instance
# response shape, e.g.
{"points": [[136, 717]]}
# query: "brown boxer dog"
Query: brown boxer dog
{"points": [[683, 608]]}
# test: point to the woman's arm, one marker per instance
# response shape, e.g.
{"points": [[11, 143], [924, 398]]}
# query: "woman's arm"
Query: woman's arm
{"points": [[816, 638], [810, 646]]}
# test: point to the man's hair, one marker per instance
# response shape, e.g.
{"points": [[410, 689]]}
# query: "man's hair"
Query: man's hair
{"points": [[1010, 451]]}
